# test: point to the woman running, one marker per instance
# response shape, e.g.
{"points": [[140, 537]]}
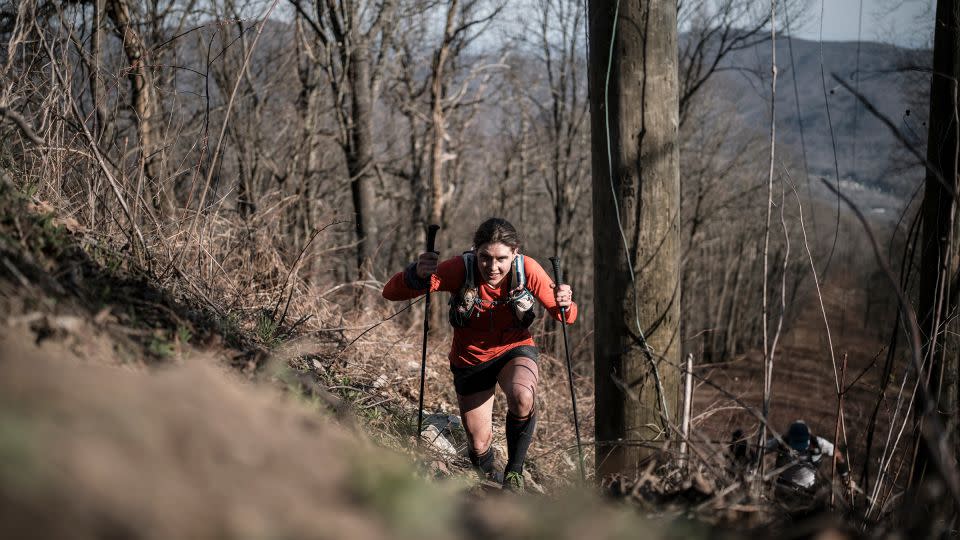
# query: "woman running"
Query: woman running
{"points": [[492, 305]]}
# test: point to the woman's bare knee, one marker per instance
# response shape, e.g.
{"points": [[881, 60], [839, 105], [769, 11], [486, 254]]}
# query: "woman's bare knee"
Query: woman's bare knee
{"points": [[522, 400]]}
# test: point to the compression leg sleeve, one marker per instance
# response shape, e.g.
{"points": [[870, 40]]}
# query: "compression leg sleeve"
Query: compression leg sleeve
{"points": [[519, 435]]}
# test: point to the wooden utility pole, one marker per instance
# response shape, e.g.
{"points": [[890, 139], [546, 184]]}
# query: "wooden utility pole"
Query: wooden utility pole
{"points": [[939, 252], [636, 209]]}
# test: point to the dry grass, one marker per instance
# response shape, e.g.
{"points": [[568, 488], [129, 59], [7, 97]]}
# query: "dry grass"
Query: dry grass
{"points": [[124, 442]]}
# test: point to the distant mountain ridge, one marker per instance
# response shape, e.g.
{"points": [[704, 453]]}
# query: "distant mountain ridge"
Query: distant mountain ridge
{"points": [[867, 153]]}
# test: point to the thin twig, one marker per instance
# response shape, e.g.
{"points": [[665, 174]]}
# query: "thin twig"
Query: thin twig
{"points": [[114, 185], [354, 340], [226, 116], [21, 123], [293, 267], [816, 282], [836, 434], [767, 350]]}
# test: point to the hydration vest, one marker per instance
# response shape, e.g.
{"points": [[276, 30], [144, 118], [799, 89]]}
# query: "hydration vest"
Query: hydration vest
{"points": [[463, 304]]}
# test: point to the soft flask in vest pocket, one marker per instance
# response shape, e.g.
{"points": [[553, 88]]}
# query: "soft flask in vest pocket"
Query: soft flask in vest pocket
{"points": [[463, 306], [524, 305]]}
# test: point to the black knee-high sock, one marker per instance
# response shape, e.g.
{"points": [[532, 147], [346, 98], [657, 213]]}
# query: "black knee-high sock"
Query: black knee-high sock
{"points": [[482, 462], [519, 434]]}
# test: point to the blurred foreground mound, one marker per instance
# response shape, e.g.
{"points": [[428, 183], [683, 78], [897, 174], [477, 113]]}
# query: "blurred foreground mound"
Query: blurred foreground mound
{"points": [[98, 452]]}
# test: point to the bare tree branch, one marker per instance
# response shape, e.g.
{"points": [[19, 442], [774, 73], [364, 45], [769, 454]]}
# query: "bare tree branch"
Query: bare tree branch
{"points": [[21, 123]]}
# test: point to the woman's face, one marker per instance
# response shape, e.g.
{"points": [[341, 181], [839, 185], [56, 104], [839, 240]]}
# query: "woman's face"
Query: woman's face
{"points": [[494, 259]]}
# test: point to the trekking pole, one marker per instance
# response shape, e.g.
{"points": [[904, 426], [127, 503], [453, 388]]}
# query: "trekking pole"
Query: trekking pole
{"points": [[558, 276], [431, 239]]}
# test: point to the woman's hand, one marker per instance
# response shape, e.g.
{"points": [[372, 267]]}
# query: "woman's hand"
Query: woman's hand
{"points": [[427, 264], [563, 295]]}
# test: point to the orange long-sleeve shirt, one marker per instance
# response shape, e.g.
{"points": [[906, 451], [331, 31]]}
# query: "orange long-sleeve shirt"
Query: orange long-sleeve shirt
{"points": [[491, 330]]}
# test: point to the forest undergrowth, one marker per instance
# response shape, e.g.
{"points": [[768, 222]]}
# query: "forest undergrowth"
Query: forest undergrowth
{"points": [[86, 301], [151, 412]]}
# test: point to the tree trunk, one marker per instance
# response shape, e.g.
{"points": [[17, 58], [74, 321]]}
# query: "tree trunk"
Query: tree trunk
{"points": [[143, 101], [101, 130], [716, 323], [437, 156], [939, 253], [645, 178], [360, 159], [102, 127], [522, 179], [308, 104], [417, 187]]}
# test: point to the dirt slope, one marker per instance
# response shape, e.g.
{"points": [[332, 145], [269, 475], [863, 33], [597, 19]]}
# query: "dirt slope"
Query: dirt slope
{"points": [[804, 383]]}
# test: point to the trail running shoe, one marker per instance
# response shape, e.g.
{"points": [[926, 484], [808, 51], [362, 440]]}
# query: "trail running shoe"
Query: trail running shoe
{"points": [[513, 481]]}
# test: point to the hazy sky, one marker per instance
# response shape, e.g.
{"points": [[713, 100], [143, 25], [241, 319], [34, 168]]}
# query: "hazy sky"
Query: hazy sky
{"points": [[904, 22]]}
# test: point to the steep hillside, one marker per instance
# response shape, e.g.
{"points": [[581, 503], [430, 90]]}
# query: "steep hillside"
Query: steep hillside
{"points": [[129, 411]]}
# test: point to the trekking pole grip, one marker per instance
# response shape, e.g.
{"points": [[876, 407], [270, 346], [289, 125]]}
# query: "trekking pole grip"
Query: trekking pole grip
{"points": [[558, 277], [432, 237], [557, 273]]}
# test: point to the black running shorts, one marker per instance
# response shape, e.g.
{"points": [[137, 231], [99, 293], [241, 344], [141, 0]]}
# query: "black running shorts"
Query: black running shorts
{"points": [[472, 379]]}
